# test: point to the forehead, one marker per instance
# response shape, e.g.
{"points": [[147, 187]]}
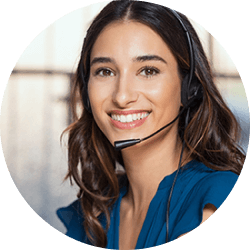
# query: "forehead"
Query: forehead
{"points": [[129, 39]]}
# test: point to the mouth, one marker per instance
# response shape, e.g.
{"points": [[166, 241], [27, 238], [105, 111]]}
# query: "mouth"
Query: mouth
{"points": [[128, 119]]}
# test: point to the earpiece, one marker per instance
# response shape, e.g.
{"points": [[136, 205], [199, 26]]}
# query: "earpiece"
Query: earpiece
{"points": [[191, 96]]}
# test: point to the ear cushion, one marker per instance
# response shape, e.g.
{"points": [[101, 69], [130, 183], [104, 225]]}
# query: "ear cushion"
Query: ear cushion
{"points": [[184, 90], [191, 95]]}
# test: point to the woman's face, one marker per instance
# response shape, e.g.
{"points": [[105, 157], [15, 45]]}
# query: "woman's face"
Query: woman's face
{"points": [[134, 85]]}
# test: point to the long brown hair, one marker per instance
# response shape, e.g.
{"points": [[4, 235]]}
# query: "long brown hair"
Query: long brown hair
{"points": [[211, 136]]}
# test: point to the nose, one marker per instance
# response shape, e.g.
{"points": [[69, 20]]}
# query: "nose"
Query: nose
{"points": [[125, 93]]}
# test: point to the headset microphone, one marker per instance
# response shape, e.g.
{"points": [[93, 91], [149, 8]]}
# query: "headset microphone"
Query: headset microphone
{"points": [[128, 143], [193, 101]]}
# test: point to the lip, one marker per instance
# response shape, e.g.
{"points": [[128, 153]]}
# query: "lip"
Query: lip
{"points": [[128, 125], [128, 112]]}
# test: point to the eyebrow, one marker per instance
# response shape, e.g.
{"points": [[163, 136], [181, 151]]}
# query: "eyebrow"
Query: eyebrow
{"points": [[101, 60], [136, 59], [149, 58]]}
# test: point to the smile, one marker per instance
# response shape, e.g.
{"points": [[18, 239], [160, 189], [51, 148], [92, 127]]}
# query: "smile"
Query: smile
{"points": [[128, 120]]}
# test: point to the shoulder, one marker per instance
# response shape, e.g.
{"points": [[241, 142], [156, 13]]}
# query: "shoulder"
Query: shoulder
{"points": [[199, 185], [72, 211], [72, 218], [214, 186], [203, 190], [208, 210], [197, 173]]}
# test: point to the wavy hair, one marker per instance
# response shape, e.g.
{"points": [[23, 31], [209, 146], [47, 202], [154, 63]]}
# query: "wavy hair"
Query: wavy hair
{"points": [[211, 136]]}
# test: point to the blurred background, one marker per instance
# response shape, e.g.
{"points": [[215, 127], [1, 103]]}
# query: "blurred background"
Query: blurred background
{"points": [[35, 109]]}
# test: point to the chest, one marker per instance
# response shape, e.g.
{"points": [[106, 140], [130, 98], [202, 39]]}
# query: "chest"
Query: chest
{"points": [[129, 229]]}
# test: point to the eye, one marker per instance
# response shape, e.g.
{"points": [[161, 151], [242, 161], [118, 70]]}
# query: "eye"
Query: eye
{"points": [[104, 72], [149, 71]]}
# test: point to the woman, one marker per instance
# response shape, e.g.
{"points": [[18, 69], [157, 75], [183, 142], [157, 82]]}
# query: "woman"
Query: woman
{"points": [[133, 75]]}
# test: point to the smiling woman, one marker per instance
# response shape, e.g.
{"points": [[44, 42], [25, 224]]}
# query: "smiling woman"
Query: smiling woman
{"points": [[142, 66]]}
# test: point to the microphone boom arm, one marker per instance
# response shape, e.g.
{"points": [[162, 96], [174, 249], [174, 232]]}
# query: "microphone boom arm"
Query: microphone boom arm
{"points": [[119, 145]]}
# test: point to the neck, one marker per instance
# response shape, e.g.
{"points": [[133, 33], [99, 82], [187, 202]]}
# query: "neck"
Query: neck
{"points": [[147, 164]]}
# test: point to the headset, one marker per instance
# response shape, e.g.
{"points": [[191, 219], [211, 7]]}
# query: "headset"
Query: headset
{"points": [[191, 96]]}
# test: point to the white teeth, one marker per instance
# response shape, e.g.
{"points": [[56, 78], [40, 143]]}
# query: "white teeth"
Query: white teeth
{"points": [[123, 118], [130, 117]]}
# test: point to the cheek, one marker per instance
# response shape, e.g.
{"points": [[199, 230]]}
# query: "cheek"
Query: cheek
{"points": [[95, 103], [98, 98], [95, 97], [167, 95]]}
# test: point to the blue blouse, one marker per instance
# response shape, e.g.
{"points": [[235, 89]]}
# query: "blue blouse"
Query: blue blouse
{"points": [[196, 186]]}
